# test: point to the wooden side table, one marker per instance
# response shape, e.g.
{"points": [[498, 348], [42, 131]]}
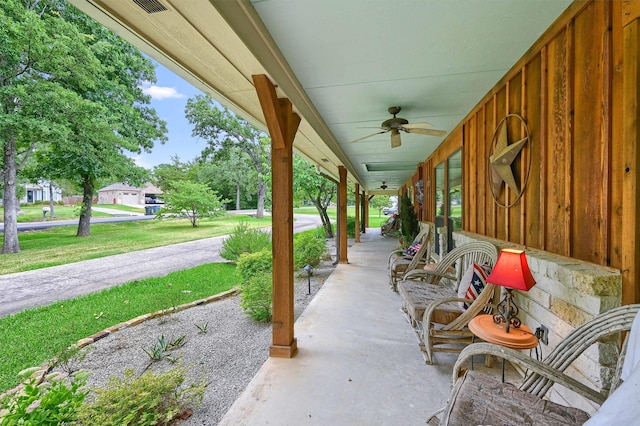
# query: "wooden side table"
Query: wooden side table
{"points": [[486, 329]]}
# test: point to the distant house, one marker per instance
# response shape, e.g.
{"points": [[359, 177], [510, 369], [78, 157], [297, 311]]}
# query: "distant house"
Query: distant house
{"points": [[120, 193], [40, 191]]}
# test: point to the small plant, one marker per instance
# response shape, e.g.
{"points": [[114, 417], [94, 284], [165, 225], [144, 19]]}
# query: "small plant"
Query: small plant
{"points": [[162, 347], [202, 327], [69, 356], [244, 240], [157, 351], [49, 405], [177, 343], [148, 400]]}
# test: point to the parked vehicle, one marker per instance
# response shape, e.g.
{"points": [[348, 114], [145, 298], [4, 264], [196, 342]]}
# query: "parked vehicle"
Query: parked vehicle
{"points": [[390, 210]]}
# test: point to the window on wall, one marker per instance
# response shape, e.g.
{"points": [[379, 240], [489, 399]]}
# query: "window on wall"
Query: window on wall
{"points": [[455, 189], [440, 204], [448, 196]]}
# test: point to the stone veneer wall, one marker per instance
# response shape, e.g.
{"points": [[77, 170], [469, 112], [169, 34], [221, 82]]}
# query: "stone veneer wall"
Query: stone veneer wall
{"points": [[568, 292]]}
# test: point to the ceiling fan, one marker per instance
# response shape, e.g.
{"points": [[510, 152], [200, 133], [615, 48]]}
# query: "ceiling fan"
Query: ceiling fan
{"points": [[395, 124], [383, 186]]}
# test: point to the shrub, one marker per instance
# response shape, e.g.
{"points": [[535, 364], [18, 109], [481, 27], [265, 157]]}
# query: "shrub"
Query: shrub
{"points": [[257, 296], [351, 226], [409, 226], [251, 264], [244, 240], [151, 399], [256, 288], [57, 403], [308, 250]]}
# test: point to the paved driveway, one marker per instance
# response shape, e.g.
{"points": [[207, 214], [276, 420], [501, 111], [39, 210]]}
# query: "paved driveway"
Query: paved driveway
{"points": [[44, 286]]}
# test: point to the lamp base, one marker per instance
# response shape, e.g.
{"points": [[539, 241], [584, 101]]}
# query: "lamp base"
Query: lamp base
{"points": [[507, 312]]}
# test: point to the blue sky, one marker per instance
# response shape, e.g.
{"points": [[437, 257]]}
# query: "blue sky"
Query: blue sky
{"points": [[169, 96]]}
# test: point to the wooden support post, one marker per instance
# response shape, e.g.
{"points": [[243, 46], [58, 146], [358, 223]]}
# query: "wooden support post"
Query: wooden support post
{"points": [[366, 209], [282, 124], [364, 221], [357, 212], [631, 181], [342, 213]]}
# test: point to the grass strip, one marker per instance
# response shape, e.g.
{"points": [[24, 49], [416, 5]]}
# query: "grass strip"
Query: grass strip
{"points": [[31, 337]]}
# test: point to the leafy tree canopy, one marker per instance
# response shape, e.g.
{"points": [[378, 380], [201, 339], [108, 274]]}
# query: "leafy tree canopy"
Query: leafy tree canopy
{"points": [[221, 128], [193, 199]]}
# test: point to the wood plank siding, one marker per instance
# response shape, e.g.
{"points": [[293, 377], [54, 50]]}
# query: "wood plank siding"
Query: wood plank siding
{"points": [[577, 89]]}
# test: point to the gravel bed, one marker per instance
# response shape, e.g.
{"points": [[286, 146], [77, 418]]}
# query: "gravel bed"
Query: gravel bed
{"points": [[227, 356]]}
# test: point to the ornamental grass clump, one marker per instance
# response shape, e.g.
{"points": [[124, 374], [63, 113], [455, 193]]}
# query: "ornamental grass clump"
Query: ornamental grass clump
{"points": [[244, 239]]}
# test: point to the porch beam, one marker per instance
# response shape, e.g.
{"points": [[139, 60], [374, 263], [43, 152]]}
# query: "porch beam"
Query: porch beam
{"points": [[282, 123]]}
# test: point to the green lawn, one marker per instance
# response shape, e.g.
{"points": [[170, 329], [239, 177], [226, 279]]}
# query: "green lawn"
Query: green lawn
{"points": [[59, 245], [374, 219], [33, 213]]}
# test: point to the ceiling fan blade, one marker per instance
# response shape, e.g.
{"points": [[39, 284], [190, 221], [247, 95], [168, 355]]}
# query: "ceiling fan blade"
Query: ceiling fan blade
{"points": [[423, 125], [368, 136], [395, 138], [430, 132]]}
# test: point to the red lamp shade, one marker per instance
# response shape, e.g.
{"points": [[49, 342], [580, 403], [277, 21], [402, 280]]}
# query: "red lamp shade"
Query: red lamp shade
{"points": [[512, 271]]}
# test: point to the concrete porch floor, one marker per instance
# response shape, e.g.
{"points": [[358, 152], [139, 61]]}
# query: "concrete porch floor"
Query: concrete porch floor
{"points": [[358, 360]]}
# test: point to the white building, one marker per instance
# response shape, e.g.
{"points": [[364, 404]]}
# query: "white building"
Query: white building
{"points": [[40, 192]]}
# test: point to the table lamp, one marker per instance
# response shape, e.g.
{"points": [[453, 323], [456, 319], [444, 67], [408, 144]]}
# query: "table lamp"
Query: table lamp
{"points": [[512, 272]]}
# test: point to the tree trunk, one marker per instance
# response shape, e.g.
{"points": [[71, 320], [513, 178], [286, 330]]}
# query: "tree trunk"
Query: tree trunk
{"points": [[84, 225], [11, 206], [326, 222], [262, 195], [237, 196], [51, 212]]}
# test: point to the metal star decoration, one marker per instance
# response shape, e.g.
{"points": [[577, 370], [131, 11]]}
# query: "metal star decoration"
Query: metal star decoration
{"points": [[501, 160]]}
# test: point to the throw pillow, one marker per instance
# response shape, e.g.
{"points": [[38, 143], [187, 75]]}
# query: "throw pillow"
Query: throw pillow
{"points": [[472, 283], [412, 250]]}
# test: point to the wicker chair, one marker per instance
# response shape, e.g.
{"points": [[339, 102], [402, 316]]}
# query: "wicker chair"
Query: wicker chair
{"points": [[431, 302], [400, 267], [511, 405], [389, 227], [398, 255]]}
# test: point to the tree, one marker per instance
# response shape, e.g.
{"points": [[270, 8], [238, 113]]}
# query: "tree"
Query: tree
{"points": [[379, 202], [229, 171], [314, 187], [66, 83], [220, 128], [164, 175], [114, 120], [194, 199], [39, 54]]}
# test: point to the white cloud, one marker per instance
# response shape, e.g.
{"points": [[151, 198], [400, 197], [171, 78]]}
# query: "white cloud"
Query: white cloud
{"points": [[161, 92]]}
